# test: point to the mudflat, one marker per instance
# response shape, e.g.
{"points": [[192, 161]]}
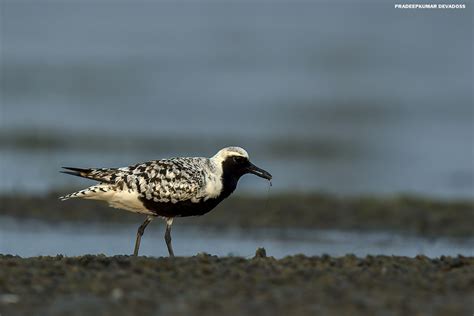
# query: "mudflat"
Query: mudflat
{"points": [[404, 214], [210, 285]]}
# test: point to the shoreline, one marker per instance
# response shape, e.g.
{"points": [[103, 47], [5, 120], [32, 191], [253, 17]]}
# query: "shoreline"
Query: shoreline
{"points": [[401, 214]]}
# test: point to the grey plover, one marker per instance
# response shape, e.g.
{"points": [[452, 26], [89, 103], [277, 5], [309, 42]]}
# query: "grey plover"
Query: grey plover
{"points": [[168, 188]]}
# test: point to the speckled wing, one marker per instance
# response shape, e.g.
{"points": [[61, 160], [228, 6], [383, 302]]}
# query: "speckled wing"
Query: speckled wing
{"points": [[168, 180]]}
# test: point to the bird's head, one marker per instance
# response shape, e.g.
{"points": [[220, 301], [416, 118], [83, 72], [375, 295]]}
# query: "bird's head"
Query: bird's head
{"points": [[235, 161]]}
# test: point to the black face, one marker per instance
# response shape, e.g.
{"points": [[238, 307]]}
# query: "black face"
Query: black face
{"points": [[237, 166]]}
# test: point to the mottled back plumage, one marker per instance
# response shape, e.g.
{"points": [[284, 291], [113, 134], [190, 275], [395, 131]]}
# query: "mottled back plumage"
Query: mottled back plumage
{"points": [[168, 180]]}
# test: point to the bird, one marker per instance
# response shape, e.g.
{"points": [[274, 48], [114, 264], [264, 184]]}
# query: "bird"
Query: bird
{"points": [[168, 188]]}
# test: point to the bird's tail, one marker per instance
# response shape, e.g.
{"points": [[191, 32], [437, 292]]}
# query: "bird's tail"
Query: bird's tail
{"points": [[92, 192], [106, 175]]}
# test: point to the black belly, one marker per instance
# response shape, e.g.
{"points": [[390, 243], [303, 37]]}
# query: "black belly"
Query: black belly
{"points": [[180, 209], [188, 208]]}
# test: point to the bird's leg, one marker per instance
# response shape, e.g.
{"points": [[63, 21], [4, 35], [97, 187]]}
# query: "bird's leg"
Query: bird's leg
{"points": [[169, 222], [140, 232]]}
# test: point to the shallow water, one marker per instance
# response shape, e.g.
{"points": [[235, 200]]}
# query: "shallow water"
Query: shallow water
{"points": [[33, 238], [342, 97]]}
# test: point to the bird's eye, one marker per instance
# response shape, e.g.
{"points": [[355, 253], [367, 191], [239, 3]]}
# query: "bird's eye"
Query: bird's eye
{"points": [[238, 159]]}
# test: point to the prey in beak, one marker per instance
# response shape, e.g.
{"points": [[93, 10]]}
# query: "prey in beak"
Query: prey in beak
{"points": [[258, 171]]}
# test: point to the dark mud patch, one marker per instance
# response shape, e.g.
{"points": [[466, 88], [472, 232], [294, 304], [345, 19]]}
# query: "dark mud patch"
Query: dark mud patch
{"points": [[406, 214], [204, 284]]}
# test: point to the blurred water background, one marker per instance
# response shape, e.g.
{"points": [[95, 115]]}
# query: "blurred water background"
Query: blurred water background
{"points": [[34, 238], [339, 97]]}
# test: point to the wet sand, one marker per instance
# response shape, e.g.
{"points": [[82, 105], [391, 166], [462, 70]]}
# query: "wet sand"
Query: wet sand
{"points": [[402, 214], [204, 284]]}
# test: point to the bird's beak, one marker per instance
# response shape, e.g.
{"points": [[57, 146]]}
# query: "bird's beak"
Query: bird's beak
{"points": [[259, 172]]}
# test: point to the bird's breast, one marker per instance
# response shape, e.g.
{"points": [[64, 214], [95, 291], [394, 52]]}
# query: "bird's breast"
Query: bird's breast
{"points": [[213, 187], [181, 208]]}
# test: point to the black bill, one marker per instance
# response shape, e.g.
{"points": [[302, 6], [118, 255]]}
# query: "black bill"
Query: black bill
{"points": [[259, 172]]}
